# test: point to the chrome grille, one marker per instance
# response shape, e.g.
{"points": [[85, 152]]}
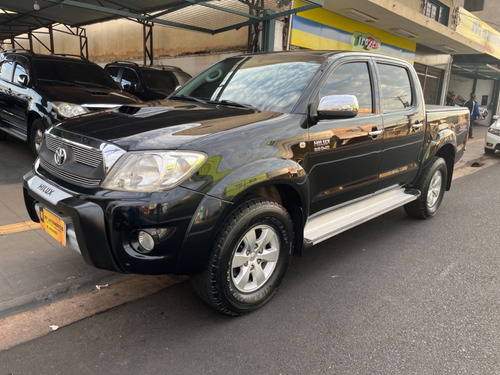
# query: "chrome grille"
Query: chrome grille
{"points": [[84, 155], [70, 177]]}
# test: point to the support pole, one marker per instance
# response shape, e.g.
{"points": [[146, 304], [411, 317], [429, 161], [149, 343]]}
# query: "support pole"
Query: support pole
{"points": [[147, 31], [269, 28]]}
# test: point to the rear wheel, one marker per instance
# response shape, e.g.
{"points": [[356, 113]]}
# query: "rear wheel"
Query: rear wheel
{"points": [[249, 258], [432, 186], [36, 136]]}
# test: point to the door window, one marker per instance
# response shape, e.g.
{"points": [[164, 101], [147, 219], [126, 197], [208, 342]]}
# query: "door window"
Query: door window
{"points": [[396, 87], [113, 72], [351, 79], [130, 80], [18, 71]]}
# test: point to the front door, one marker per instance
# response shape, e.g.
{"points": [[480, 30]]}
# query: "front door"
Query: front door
{"points": [[344, 154]]}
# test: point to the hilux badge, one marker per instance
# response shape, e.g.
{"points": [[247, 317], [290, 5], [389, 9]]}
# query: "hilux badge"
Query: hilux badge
{"points": [[60, 156]]}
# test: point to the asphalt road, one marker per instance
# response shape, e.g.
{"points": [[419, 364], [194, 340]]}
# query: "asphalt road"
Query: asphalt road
{"points": [[392, 296]]}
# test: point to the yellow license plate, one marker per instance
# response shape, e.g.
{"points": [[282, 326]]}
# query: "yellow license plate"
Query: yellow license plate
{"points": [[53, 225]]}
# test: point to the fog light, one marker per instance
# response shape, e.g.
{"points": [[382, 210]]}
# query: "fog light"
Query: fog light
{"points": [[146, 241]]}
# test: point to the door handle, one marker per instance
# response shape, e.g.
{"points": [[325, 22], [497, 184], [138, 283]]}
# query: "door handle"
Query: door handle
{"points": [[375, 133], [417, 125]]}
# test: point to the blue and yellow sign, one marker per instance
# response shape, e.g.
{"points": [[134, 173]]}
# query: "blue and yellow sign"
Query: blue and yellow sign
{"points": [[479, 31], [323, 30]]}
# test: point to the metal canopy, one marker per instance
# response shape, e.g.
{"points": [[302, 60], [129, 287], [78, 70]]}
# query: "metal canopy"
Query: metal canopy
{"points": [[19, 17], [476, 66]]}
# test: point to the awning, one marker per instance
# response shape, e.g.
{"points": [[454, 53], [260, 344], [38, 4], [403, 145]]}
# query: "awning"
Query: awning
{"points": [[19, 17], [476, 66]]}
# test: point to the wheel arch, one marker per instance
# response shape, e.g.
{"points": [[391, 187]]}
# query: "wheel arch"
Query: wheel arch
{"points": [[447, 152], [32, 117], [290, 198]]}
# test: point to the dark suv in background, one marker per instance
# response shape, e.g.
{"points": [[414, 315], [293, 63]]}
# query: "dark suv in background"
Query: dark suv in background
{"points": [[37, 91], [148, 82]]}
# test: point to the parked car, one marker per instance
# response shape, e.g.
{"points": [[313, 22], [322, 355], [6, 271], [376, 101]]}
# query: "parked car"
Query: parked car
{"points": [[37, 91], [255, 159], [148, 82], [492, 140]]}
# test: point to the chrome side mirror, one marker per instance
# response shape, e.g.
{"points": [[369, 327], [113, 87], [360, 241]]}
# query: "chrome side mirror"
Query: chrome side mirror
{"points": [[337, 106], [23, 80]]}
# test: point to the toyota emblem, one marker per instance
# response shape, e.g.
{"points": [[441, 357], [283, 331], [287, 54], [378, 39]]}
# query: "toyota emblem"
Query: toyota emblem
{"points": [[60, 156]]}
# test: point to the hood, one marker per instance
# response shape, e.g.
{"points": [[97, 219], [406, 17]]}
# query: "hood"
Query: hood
{"points": [[88, 95], [495, 125], [162, 124]]}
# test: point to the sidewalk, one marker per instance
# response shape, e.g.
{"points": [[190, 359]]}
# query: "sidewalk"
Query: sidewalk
{"points": [[36, 271], [474, 151]]}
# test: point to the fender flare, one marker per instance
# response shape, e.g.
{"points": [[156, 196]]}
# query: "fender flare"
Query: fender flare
{"points": [[223, 196]]}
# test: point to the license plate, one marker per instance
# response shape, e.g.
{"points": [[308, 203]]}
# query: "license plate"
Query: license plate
{"points": [[53, 225]]}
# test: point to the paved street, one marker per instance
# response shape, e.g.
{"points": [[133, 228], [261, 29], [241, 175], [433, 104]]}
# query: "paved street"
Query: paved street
{"points": [[393, 296]]}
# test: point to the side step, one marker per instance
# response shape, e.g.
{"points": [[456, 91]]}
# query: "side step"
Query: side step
{"points": [[322, 227]]}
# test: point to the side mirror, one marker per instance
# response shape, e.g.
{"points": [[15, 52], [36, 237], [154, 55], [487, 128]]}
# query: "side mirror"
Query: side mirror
{"points": [[337, 106], [496, 117], [136, 87], [23, 79]]}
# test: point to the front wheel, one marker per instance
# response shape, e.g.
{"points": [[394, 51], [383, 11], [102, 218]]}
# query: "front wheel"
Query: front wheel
{"points": [[432, 185], [489, 151], [36, 136], [249, 258]]}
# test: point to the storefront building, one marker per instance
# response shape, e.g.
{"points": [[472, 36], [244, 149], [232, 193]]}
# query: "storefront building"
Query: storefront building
{"points": [[431, 48]]}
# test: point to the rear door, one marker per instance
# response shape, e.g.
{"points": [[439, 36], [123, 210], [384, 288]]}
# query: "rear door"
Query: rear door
{"points": [[6, 96], [344, 154], [403, 115]]}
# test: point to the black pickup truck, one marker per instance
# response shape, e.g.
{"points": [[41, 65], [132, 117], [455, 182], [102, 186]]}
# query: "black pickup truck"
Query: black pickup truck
{"points": [[255, 159]]}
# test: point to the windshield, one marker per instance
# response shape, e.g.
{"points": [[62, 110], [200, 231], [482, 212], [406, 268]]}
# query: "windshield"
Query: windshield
{"points": [[161, 80], [73, 73], [266, 82]]}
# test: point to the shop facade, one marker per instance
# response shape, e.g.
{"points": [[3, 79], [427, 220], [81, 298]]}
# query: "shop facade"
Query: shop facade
{"points": [[438, 74]]}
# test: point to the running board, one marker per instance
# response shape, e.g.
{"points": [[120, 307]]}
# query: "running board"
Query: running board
{"points": [[331, 223]]}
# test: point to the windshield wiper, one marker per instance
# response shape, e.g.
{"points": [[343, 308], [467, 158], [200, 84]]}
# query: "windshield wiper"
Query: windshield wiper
{"points": [[230, 102], [188, 98]]}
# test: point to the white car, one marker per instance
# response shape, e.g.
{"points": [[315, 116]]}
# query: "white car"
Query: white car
{"points": [[492, 141]]}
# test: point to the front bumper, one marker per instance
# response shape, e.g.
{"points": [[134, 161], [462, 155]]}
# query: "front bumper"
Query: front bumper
{"points": [[104, 226], [492, 141]]}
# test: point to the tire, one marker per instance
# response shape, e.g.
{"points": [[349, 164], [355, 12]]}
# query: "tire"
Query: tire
{"points": [[489, 151], [249, 258], [432, 186], [36, 136]]}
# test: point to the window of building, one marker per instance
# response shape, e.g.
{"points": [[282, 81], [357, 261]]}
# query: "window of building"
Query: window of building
{"points": [[431, 80], [437, 11]]}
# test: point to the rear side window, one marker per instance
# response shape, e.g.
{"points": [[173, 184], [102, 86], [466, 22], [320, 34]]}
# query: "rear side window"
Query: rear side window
{"points": [[351, 79], [6, 69], [396, 87]]}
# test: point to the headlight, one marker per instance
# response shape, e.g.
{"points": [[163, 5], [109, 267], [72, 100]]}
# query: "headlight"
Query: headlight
{"points": [[68, 109], [151, 171], [494, 131]]}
